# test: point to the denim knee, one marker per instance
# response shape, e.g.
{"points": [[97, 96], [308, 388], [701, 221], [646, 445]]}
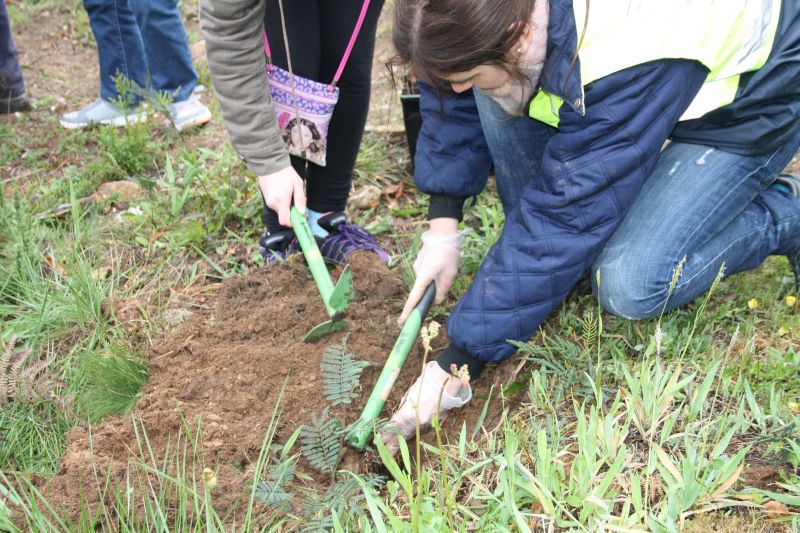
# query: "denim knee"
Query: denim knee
{"points": [[624, 290]]}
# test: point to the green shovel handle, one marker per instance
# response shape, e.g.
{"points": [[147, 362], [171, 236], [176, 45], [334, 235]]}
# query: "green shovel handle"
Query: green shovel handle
{"points": [[394, 363], [314, 258]]}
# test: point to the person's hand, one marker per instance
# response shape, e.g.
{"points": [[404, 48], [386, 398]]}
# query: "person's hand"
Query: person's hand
{"points": [[280, 189], [435, 391], [438, 260]]}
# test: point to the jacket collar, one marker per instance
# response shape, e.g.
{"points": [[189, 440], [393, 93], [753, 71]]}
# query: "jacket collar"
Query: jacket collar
{"points": [[562, 42]]}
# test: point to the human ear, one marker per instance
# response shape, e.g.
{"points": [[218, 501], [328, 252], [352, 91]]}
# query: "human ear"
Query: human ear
{"points": [[525, 40]]}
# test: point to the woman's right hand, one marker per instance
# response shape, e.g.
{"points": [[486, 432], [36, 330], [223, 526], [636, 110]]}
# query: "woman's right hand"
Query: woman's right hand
{"points": [[282, 188], [438, 260]]}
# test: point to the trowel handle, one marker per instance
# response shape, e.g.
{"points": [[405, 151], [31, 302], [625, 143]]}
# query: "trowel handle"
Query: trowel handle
{"points": [[391, 369], [316, 263], [424, 304]]}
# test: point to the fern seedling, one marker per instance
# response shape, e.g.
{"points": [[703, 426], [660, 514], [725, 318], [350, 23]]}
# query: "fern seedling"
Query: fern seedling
{"points": [[342, 498], [340, 373], [275, 491], [19, 379], [322, 441]]}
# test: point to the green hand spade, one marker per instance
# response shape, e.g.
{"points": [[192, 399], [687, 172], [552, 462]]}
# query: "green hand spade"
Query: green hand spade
{"points": [[336, 298], [394, 363]]}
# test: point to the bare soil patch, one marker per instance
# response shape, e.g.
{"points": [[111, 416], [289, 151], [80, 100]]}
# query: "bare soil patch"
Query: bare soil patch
{"points": [[224, 368]]}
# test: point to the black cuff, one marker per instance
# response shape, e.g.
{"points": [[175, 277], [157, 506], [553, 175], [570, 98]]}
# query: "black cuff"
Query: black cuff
{"points": [[452, 355], [446, 206]]}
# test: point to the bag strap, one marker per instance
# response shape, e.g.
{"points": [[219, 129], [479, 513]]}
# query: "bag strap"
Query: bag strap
{"points": [[360, 22], [298, 125], [351, 44]]}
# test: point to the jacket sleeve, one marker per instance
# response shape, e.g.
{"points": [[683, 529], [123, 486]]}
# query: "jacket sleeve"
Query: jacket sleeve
{"points": [[233, 31], [592, 170], [452, 160]]}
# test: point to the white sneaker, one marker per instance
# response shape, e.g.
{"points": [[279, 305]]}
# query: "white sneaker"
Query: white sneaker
{"points": [[188, 113], [100, 112]]}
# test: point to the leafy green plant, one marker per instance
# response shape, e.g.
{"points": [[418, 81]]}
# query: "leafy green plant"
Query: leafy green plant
{"points": [[321, 445], [323, 437], [128, 150], [275, 491], [178, 193], [322, 441], [340, 373]]}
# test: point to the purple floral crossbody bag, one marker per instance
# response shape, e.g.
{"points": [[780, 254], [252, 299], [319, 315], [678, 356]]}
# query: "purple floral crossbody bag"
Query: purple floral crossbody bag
{"points": [[304, 107]]}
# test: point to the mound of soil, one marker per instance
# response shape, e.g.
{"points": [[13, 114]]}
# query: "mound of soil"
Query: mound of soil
{"points": [[224, 370]]}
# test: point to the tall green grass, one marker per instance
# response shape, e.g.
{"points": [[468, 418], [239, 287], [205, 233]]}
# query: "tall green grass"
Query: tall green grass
{"points": [[170, 492]]}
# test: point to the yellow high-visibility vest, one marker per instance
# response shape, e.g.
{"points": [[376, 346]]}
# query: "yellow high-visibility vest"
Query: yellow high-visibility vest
{"points": [[729, 37]]}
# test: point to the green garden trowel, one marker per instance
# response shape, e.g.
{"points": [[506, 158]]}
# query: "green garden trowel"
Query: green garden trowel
{"points": [[359, 436], [336, 298]]}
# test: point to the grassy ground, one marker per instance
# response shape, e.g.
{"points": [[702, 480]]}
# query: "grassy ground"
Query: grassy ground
{"points": [[688, 421]]}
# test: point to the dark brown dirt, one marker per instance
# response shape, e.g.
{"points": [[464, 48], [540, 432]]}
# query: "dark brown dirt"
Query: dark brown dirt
{"points": [[224, 368]]}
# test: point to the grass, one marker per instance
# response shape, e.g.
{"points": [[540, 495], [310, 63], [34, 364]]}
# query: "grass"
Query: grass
{"points": [[611, 424], [169, 493], [622, 425]]}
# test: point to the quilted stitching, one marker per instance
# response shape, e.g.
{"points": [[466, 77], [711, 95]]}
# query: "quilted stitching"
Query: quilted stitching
{"points": [[593, 169]]}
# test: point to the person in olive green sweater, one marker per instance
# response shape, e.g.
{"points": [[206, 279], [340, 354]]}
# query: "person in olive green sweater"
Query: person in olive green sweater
{"points": [[318, 32]]}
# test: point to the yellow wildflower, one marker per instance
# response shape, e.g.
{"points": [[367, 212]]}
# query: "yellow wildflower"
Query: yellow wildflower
{"points": [[461, 373], [791, 301], [209, 478], [428, 333], [752, 303]]}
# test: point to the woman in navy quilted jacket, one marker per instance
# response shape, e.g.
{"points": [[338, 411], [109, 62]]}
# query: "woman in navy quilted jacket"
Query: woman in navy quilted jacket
{"points": [[574, 104]]}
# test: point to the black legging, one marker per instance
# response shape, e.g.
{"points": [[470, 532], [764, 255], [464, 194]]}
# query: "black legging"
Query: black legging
{"points": [[319, 31]]}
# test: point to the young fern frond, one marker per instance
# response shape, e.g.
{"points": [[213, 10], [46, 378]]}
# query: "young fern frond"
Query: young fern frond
{"points": [[322, 441], [21, 381], [320, 524], [275, 491], [590, 330], [5, 361], [346, 495], [340, 373]]}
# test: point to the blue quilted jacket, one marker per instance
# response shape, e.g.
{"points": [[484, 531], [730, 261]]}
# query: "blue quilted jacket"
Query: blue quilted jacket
{"points": [[593, 168]]}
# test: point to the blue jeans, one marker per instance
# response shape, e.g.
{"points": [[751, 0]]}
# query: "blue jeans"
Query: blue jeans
{"points": [[712, 207], [11, 83], [145, 41]]}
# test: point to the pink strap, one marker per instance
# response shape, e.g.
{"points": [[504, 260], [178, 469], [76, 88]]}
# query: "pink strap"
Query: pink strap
{"points": [[352, 42], [350, 45], [266, 47]]}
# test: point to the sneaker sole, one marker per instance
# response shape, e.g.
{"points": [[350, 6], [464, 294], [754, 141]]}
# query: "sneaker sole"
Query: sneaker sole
{"points": [[116, 121], [197, 121]]}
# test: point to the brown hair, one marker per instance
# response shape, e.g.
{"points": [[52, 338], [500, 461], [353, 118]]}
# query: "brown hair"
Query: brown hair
{"points": [[440, 37]]}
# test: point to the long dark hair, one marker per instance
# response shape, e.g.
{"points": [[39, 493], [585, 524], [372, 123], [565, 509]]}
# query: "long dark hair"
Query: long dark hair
{"points": [[435, 38]]}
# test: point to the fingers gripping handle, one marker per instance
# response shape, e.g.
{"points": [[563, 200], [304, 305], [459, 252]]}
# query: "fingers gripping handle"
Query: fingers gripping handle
{"points": [[394, 363], [426, 301]]}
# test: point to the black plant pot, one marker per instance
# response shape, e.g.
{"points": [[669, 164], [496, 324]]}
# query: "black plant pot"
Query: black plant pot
{"points": [[412, 118]]}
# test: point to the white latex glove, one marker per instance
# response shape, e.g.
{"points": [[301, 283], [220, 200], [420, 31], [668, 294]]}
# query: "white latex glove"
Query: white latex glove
{"points": [[435, 390], [280, 189], [438, 260]]}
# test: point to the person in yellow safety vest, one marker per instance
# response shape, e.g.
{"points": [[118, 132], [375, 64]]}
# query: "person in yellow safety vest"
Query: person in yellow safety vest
{"points": [[574, 102]]}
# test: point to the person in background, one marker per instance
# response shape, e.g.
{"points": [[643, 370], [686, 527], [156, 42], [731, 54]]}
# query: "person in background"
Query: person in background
{"points": [[318, 32], [143, 41], [573, 102], [13, 97]]}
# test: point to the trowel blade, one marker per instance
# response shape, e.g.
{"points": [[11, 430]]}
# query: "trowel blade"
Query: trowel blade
{"points": [[320, 330], [343, 292]]}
